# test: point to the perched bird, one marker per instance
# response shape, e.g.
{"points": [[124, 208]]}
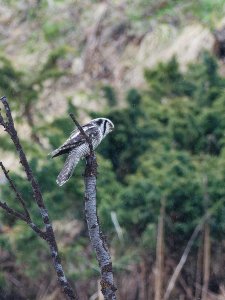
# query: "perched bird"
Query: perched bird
{"points": [[77, 147]]}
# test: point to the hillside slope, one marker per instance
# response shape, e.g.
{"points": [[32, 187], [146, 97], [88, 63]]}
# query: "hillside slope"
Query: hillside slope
{"points": [[106, 42]]}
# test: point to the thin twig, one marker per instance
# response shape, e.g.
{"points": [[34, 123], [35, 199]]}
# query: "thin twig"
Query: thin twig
{"points": [[12, 212], [88, 139], [98, 241], [20, 216], [18, 195]]}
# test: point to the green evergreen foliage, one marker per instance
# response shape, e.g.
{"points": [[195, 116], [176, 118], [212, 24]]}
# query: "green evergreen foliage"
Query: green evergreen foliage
{"points": [[109, 94], [167, 140], [178, 127]]}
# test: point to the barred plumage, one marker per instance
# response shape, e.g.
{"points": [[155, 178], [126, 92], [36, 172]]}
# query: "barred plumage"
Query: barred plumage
{"points": [[77, 147]]}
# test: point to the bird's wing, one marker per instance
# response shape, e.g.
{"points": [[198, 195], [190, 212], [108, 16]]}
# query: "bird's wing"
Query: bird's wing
{"points": [[76, 139]]}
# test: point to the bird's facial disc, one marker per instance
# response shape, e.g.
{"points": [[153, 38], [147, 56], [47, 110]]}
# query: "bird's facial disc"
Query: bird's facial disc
{"points": [[110, 126]]}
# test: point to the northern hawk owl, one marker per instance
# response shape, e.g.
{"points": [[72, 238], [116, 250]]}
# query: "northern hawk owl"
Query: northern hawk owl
{"points": [[76, 146]]}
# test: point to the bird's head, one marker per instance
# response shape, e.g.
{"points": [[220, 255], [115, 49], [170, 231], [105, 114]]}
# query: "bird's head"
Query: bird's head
{"points": [[106, 126]]}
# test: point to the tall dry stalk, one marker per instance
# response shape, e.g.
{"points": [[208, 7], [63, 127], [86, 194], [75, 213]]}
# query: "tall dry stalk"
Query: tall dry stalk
{"points": [[160, 252]]}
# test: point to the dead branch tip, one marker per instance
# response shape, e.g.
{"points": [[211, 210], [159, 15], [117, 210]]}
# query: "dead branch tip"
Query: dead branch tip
{"points": [[82, 132], [74, 120], [3, 98]]}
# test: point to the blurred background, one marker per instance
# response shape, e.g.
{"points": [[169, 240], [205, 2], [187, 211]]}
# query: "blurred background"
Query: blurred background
{"points": [[156, 69]]}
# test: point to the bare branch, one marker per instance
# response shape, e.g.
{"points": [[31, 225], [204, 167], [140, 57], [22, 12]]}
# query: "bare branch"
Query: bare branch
{"points": [[18, 195], [20, 216], [98, 241], [12, 212], [2, 122], [88, 139], [37, 195]]}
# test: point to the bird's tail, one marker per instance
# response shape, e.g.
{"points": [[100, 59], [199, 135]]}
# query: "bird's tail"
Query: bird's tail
{"points": [[68, 168]]}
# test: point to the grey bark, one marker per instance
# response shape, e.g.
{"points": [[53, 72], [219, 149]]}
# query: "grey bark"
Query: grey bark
{"points": [[98, 241], [48, 234]]}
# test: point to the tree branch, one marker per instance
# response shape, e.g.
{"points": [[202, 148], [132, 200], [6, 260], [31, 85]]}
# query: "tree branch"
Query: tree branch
{"points": [[18, 196], [12, 212], [88, 139], [2, 122], [98, 241], [20, 216], [37, 195]]}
